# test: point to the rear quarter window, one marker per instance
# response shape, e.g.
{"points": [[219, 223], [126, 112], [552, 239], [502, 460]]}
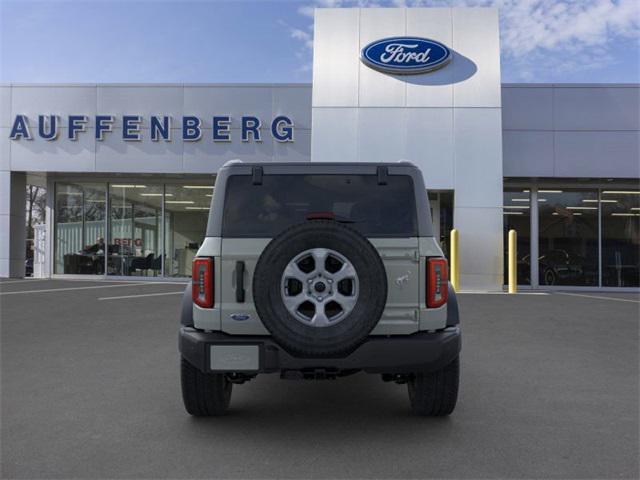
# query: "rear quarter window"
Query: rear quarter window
{"points": [[281, 201]]}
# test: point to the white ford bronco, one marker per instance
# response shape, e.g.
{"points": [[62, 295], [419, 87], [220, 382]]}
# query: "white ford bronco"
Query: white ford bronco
{"points": [[319, 270]]}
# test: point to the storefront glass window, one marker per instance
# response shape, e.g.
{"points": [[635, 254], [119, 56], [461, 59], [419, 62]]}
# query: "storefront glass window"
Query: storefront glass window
{"points": [[186, 215], [135, 244], [517, 216], [568, 237], [79, 228], [620, 238]]}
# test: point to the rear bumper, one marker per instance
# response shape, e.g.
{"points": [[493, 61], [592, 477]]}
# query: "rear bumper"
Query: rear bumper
{"points": [[419, 352]]}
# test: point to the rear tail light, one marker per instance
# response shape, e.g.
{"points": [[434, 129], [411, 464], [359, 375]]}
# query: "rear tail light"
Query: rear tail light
{"points": [[202, 278], [437, 282]]}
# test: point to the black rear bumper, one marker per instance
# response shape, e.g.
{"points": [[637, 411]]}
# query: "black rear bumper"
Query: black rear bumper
{"points": [[394, 354]]}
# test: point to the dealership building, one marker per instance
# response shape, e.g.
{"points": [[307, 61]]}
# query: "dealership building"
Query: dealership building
{"points": [[129, 169]]}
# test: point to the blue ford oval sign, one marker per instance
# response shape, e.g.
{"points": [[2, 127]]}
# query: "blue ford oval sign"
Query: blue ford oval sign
{"points": [[405, 55]]}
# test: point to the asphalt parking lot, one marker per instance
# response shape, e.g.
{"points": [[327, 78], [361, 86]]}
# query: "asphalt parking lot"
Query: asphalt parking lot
{"points": [[90, 389]]}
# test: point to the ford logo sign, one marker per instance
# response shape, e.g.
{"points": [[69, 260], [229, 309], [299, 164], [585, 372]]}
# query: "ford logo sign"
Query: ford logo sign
{"points": [[405, 55]]}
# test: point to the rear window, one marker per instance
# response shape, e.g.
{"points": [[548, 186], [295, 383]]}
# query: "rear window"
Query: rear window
{"points": [[284, 200]]}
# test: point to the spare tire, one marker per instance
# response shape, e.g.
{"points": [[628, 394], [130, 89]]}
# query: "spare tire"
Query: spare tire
{"points": [[319, 288]]}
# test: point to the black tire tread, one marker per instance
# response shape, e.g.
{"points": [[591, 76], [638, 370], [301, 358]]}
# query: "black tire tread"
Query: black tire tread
{"points": [[204, 394], [434, 394]]}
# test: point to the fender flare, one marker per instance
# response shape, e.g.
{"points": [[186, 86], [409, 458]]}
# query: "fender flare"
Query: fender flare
{"points": [[453, 316], [186, 314]]}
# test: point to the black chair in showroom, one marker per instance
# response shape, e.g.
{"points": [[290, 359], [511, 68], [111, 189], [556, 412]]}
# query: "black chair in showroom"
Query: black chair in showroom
{"points": [[141, 263]]}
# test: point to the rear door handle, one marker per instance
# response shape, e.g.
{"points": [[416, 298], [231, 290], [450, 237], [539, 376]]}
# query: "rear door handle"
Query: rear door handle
{"points": [[240, 281]]}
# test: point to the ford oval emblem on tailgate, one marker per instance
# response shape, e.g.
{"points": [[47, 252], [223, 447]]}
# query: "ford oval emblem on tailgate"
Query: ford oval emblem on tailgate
{"points": [[405, 55], [240, 317]]}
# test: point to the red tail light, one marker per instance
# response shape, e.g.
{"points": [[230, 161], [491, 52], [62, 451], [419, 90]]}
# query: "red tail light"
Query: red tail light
{"points": [[202, 278], [437, 282]]}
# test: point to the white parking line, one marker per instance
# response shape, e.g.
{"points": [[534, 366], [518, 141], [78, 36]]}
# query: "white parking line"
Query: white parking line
{"points": [[142, 295], [599, 297], [480, 292], [79, 288], [25, 280]]}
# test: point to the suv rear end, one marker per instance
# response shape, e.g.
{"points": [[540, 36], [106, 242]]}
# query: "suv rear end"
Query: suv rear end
{"points": [[320, 271]]}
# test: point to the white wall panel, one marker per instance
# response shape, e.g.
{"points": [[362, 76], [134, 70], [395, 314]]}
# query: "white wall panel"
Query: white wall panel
{"points": [[434, 89], [297, 151], [335, 72], [144, 156], [206, 156], [382, 135], [335, 135], [50, 100], [481, 246], [478, 157], [430, 144], [5, 149], [205, 102], [5, 107], [294, 102], [476, 40], [62, 155], [142, 100], [377, 89]]}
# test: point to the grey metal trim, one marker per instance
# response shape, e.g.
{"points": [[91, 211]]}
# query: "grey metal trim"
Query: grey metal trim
{"points": [[534, 247], [599, 238], [162, 230]]}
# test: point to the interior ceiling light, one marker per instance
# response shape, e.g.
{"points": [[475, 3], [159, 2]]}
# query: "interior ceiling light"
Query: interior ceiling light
{"points": [[519, 199], [581, 208], [129, 186], [180, 201], [625, 214], [515, 206], [196, 208], [513, 213], [621, 192], [549, 191], [198, 186]]}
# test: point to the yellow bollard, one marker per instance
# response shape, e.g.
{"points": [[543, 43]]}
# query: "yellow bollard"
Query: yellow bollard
{"points": [[513, 272], [455, 261]]}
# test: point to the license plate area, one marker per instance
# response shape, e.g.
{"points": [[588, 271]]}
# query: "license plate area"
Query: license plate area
{"points": [[234, 358]]}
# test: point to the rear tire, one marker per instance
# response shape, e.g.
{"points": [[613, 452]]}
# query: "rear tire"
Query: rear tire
{"points": [[435, 394], [204, 394]]}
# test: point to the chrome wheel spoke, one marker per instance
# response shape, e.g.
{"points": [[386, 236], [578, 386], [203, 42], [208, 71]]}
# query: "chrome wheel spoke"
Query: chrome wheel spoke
{"points": [[346, 271], [347, 302], [293, 271], [319, 257], [320, 318]]}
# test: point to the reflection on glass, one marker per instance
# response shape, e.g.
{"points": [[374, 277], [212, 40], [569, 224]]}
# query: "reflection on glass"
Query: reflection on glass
{"points": [[134, 229], [79, 228], [568, 236], [620, 238], [186, 213], [517, 216]]}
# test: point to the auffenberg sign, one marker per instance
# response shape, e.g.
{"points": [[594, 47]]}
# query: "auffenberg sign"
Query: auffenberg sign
{"points": [[49, 127]]}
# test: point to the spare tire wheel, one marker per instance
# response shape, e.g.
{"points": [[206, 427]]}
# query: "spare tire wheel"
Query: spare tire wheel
{"points": [[319, 288]]}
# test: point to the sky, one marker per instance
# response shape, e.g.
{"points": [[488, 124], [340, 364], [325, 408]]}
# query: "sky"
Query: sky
{"points": [[171, 41]]}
